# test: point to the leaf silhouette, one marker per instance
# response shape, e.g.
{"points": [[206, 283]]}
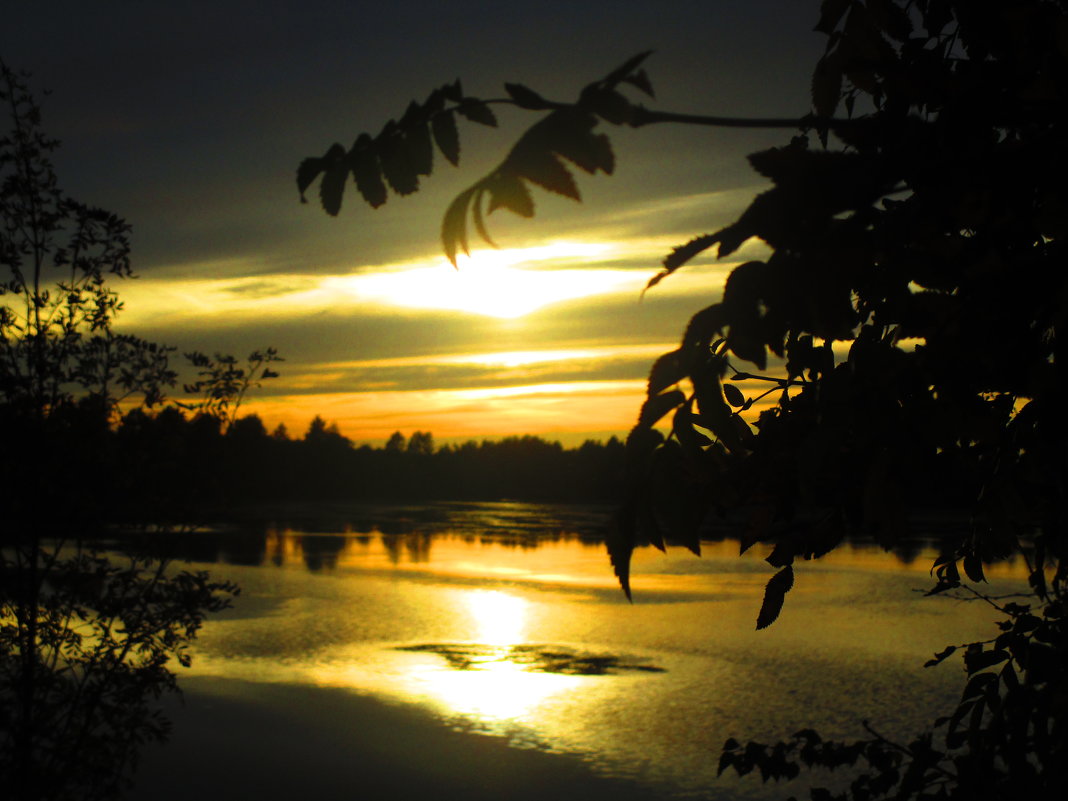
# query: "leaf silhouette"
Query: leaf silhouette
{"points": [[716, 415], [415, 132], [640, 80], [393, 156], [508, 192], [532, 159], [454, 223], [826, 86], [307, 172], [681, 255], [477, 111], [666, 371], [333, 184], [831, 13], [774, 595], [625, 70], [656, 406], [526, 98], [691, 440], [446, 136], [733, 395], [570, 134], [476, 215], [453, 91], [620, 543], [940, 656], [892, 18], [366, 171]]}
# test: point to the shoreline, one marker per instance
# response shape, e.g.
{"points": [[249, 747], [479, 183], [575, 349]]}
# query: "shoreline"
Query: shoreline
{"points": [[233, 738]]}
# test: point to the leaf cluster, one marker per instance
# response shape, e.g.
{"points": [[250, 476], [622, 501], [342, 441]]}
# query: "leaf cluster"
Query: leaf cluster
{"points": [[86, 643], [79, 693], [56, 258], [222, 382], [1005, 738], [402, 151]]}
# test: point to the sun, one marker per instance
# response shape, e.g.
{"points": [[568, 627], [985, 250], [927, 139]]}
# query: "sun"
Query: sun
{"points": [[496, 283]]}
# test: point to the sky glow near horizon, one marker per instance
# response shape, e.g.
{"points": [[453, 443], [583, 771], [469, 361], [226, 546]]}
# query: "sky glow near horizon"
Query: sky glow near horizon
{"points": [[192, 132]]}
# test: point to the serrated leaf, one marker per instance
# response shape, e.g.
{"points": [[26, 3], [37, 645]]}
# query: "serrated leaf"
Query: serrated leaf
{"points": [[656, 406], [684, 253], [774, 596], [681, 255], [477, 111], [666, 371], [307, 172], [527, 98], [508, 191], [570, 135], [418, 149], [393, 158], [366, 172], [332, 187], [446, 136], [476, 215], [454, 224], [434, 104], [544, 169]]}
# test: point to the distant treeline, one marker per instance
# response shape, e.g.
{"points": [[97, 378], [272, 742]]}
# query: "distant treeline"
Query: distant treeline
{"points": [[184, 465]]}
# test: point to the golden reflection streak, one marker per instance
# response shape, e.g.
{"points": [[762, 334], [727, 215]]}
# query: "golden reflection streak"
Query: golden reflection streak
{"points": [[497, 688]]}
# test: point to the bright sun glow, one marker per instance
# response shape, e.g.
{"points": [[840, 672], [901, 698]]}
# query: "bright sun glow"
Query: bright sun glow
{"points": [[495, 283], [499, 618], [499, 688]]}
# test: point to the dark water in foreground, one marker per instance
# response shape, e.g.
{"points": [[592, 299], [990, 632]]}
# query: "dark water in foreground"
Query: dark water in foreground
{"points": [[485, 650]]}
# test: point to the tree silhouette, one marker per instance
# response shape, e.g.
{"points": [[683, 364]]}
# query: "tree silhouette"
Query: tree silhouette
{"points": [[86, 640], [904, 338]]}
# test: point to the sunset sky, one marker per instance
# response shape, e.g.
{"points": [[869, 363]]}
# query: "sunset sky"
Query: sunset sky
{"points": [[189, 120]]}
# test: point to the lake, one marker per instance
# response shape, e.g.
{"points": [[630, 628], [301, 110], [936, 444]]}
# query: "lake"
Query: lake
{"points": [[485, 650]]}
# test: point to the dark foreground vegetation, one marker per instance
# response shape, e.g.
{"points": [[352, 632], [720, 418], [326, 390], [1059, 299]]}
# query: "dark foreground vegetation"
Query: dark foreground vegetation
{"points": [[909, 323], [87, 641]]}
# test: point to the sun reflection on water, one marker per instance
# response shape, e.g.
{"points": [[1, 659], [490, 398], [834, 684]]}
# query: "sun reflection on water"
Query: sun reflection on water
{"points": [[494, 683], [499, 618]]}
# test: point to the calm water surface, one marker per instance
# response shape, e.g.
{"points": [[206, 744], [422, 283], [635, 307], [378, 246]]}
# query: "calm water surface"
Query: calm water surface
{"points": [[505, 619]]}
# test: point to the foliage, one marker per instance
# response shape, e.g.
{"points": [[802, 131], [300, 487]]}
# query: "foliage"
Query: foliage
{"points": [[906, 327], [84, 652], [56, 306], [85, 639], [223, 383]]}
